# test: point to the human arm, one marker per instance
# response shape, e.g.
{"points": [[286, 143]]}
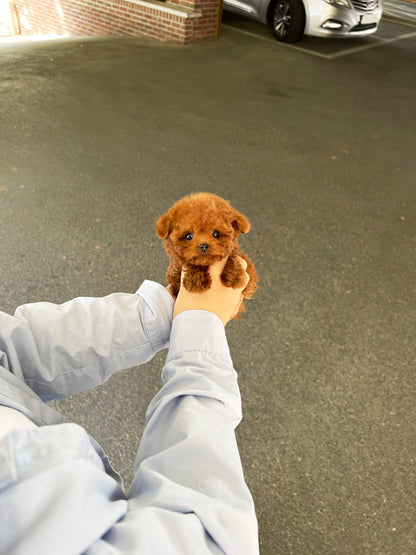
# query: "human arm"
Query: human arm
{"points": [[59, 350], [189, 494]]}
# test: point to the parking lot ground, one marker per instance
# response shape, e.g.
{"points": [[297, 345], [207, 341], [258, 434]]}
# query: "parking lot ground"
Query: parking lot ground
{"points": [[99, 137], [389, 31], [398, 9]]}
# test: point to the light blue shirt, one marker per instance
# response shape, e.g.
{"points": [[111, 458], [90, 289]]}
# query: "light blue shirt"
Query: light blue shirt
{"points": [[58, 492]]}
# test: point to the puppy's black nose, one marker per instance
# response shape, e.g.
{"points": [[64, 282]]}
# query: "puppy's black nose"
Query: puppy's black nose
{"points": [[203, 247]]}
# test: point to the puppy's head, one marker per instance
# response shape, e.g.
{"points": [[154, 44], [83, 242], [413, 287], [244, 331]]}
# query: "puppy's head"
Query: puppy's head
{"points": [[201, 229]]}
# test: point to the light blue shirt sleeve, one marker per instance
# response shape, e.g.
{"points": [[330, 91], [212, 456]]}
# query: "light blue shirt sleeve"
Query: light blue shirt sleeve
{"points": [[188, 495], [59, 350], [189, 487]]}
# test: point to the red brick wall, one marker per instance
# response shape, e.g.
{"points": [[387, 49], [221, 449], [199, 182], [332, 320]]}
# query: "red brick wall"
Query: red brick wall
{"points": [[206, 25], [119, 18]]}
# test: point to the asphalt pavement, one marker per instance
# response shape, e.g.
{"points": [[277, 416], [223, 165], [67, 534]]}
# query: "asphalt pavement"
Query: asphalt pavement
{"points": [[99, 137], [405, 11]]}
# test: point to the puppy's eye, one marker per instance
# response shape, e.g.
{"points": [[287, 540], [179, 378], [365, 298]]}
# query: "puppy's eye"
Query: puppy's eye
{"points": [[189, 237], [216, 234]]}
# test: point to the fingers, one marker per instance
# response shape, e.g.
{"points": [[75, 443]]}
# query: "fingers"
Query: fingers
{"points": [[217, 268], [242, 262], [222, 300]]}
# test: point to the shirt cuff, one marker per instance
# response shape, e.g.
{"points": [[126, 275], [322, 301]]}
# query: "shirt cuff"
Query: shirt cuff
{"points": [[157, 315], [198, 330]]}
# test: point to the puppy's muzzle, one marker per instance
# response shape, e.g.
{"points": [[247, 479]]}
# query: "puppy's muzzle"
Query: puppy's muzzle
{"points": [[203, 247]]}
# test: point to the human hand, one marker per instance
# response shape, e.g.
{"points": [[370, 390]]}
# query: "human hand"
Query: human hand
{"points": [[219, 299]]}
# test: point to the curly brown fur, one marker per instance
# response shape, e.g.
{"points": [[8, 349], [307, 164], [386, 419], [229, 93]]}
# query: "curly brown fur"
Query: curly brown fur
{"points": [[199, 230]]}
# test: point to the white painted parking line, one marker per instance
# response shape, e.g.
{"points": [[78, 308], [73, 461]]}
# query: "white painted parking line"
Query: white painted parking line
{"points": [[273, 41], [381, 42], [378, 41]]}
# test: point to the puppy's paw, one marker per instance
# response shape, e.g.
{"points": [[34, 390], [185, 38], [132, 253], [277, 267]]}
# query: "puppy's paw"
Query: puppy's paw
{"points": [[233, 274], [197, 279], [173, 277]]}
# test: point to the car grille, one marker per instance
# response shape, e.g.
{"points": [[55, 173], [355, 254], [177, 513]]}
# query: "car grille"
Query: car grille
{"points": [[366, 6]]}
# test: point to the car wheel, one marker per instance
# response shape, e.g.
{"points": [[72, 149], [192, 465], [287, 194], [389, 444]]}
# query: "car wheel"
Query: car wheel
{"points": [[288, 20]]}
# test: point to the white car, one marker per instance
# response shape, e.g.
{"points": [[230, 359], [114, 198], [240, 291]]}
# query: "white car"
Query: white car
{"points": [[290, 19]]}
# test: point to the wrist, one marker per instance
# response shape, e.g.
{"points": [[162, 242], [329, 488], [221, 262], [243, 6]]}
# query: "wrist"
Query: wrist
{"points": [[198, 330]]}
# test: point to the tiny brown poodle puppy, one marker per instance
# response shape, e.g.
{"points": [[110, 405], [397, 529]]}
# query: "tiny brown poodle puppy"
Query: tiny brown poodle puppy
{"points": [[201, 229]]}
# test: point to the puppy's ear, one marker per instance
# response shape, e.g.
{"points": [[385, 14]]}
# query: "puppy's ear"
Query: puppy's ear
{"points": [[240, 223], [163, 226]]}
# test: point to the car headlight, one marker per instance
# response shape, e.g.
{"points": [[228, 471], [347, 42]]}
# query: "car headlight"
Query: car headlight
{"points": [[342, 3]]}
